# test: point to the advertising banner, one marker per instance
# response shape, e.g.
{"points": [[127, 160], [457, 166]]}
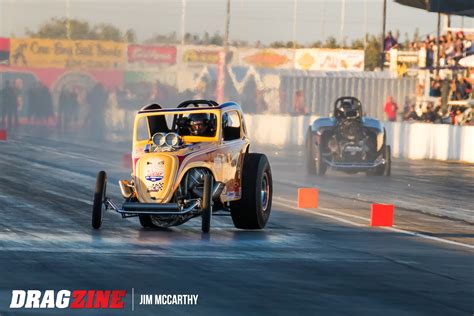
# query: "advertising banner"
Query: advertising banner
{"points": [[49, 53], [198, 55], [4, 50], [151, 55], [265, 58], [329, 59]]}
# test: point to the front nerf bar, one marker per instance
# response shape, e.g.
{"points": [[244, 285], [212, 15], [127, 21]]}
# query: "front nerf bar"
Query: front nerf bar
{"points": [[350, 165], [129, 209]]}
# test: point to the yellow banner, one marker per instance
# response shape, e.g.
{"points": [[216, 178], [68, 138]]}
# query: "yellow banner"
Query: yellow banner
{"points": [[67, 54]]}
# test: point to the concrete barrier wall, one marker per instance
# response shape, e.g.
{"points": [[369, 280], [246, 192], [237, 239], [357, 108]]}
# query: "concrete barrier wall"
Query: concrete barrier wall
{"points": [[408, 140]]}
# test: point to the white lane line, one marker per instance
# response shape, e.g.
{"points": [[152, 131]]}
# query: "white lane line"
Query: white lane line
{"points": [[320, 214], [329, 210], [285, 202]]}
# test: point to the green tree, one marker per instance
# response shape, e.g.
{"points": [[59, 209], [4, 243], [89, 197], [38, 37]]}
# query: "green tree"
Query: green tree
{"points": [[277, 44], [317, 44], [130, 36], [372, 52], [331, 42], [357, 44], [216, 39], [57, 28], [170, 38], [108, 32]]}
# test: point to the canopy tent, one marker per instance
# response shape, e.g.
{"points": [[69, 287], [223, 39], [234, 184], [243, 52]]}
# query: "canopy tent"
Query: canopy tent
{"points": [[467, 61], [455, 7]]}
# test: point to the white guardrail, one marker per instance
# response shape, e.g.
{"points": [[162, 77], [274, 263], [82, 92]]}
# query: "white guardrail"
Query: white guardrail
{"points": [[408, 140]]}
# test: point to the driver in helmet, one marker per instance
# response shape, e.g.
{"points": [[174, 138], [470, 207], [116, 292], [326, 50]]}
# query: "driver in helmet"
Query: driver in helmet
{"points": [[201, 124], [347, 109]]}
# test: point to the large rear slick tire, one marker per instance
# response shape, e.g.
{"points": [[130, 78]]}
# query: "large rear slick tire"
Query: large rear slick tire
{"points": [[384, 169], [253, 209], [99, 198], [388, 160], [206, 204], [309, 154], [321, 166]]}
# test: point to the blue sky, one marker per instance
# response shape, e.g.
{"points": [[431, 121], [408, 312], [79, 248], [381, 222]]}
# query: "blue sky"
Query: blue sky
{"points": [[251, 20]]}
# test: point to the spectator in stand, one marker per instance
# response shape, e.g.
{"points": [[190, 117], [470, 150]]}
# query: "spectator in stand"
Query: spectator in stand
{"points": [[19, 102], [391, 109], [300, 107], [390, 42], [430, 115], [464, 87], [32, 107], [429, 54], [10, 101], [435, 88], [409, 113], [68, 109], [45, 112], [97, 100], [455, 93], [458, 117], [8, 105]]}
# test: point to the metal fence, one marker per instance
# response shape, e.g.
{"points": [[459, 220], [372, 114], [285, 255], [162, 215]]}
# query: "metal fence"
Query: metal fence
{"points": [[319, 93]]}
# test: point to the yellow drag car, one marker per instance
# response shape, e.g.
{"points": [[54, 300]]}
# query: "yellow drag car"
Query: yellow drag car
{"points": [[191, 161]]}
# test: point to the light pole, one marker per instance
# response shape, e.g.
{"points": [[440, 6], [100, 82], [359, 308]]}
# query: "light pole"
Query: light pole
{"points": [[183, 21], [227, 25], [323, 26], [365, 24], [295, 9], [384, 21], [222, 66], [68, 20], [343, 18]]}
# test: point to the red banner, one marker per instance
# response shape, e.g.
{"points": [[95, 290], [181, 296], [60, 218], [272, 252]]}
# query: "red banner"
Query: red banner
{"points": [[4, 44], [153, 55]]}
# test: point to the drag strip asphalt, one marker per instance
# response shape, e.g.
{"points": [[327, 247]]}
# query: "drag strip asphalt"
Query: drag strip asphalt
{"points": [[305, 262]]}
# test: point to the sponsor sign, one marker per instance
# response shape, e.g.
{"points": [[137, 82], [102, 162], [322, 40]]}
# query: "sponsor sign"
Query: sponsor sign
{"points": [[49, 53], [154, 174], [199, 55], [265, 58], [151, 55], [4, 50], [329, 59], [155, 170]]}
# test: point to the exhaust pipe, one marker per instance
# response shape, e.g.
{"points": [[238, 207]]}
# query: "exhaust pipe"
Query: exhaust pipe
{"points": [[125, 189], [217, 190]]}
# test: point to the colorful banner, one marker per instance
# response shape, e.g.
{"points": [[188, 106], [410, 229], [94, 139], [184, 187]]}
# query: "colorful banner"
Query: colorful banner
{"points": [[4, 50], [150, 55], [265, 58], [329, 59], [199, 55], [49, 53]]}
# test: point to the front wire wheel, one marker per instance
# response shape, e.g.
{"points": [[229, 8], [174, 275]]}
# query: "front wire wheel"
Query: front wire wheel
{"points": [[99, 200], [206, 204]]}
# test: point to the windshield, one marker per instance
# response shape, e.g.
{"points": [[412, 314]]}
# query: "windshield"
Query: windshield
{"points": [[186, 124]]}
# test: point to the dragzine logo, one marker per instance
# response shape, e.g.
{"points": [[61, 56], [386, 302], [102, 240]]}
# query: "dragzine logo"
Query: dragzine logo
{"points": [[77, 299]]}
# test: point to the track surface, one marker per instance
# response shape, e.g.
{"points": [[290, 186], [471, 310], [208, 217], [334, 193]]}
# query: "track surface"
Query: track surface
{"points": [[324, 261]]}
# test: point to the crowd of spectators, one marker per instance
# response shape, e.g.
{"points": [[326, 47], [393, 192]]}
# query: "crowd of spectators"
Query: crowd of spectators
{"points": [[455, 110], [453, 46], [449, 88], [77, 108]]}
